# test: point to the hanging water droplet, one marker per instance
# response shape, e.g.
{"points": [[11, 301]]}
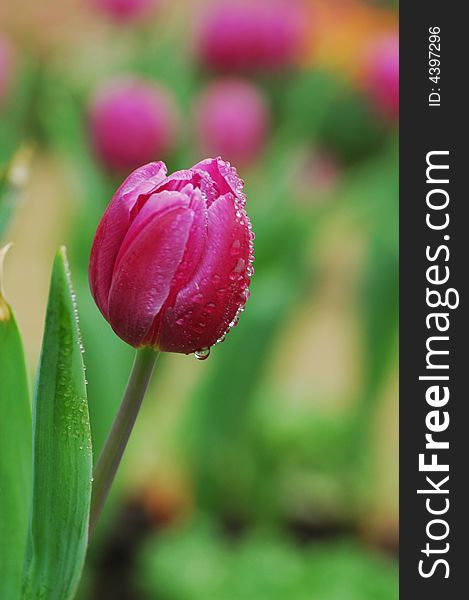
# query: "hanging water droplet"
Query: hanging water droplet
{"points": [[202, 354]]}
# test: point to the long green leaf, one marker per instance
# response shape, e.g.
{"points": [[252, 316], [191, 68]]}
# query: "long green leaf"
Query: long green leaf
{"points": [[62, 459], [15, 452]]}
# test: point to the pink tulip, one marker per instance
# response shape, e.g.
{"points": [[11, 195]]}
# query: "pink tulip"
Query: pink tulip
{"points": [[6, 67], [246, 35], [171, 261], [232, 120], [125, 10], [132, 122], [382, 76]]}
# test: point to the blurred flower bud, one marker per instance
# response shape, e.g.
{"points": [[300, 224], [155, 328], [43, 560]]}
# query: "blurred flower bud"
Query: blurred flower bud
{"points": [[382, 76], [232, 120], [132, 122], [171, 261], [248, 35], [6, 67], [124, 11]]}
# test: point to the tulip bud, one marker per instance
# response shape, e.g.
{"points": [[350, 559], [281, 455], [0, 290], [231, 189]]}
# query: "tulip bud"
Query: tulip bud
{"points": [[247, 35], [171, 261], [382, 76], [132, 122], [6, 67], [125, 11], [232, 120]]}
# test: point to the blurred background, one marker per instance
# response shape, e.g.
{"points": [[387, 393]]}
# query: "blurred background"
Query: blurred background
{"points": [[268, 471]]}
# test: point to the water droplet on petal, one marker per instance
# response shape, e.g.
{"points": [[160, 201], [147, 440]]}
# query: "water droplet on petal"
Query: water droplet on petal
{"points": [[239, 265], [236, 248], [202, 354], [197, 298], [210, 307]]}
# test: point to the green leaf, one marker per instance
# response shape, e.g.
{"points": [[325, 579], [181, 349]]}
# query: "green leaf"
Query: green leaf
{"points": [[62, 458], [15, 452]]}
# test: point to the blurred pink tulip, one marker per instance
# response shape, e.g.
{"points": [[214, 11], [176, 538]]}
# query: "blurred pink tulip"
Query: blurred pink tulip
{"points": [[132, 122], [232, 120], [171, 261], [6, 67], [382, 76], [125, 10], [248, 35]]}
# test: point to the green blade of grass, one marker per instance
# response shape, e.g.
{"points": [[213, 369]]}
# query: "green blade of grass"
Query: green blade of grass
{"points": [[15, 452], [62, 458]]}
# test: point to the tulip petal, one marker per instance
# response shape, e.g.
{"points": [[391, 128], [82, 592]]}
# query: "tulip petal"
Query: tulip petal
{"points": [[142, 278], [152, 208], [113, 228], [198, 178], [143, 179], [224, 176], [195, 248], [204, 309]]}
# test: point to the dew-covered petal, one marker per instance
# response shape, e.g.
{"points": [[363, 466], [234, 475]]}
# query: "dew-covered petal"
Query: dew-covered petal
{"points": [[142, 278], [224, 176], [204, 309], [113, 228], [195, 248], [143, 180], [154, 207], [197, 178]]}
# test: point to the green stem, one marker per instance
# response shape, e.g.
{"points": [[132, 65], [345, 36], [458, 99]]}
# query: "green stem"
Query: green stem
{"points": [[116, 442]]}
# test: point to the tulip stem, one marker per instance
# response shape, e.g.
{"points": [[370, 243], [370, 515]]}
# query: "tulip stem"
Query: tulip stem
{"points": [[116, 442]]}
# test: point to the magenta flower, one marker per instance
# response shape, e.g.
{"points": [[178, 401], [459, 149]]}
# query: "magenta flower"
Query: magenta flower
{"points": [[132, 121], [247, 35], [382, 76], [232, 120], [171, 261], [125, 10], [6, 67]]}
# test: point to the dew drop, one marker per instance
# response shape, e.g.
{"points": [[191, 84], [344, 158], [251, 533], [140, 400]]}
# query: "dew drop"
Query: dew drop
{"points": [[202, 354], [197, 298], [180, 322], [210, 307], [239, 265], [236, 248]]}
